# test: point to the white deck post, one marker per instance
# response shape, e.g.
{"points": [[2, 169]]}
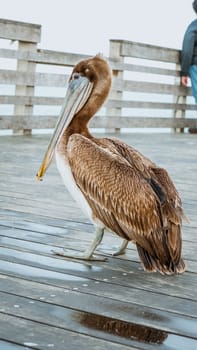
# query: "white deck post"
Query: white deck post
{"points": [[181, 99], [28, 36], [117, 75]]}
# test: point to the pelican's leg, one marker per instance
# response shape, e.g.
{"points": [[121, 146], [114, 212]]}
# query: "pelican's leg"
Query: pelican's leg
{"points": [[88, 254], [122, 248]]}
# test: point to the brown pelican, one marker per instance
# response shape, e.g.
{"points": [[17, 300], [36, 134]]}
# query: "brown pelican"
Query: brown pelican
{"points": [[118, 188]]}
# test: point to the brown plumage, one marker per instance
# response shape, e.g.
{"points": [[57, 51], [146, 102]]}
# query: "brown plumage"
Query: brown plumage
{"points": [[121, 189]]}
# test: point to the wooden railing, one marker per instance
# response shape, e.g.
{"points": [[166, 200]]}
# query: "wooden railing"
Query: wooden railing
{"points": [[146, 89]]}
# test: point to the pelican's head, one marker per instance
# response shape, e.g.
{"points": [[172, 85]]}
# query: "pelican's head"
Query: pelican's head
{"points": [[88, 87]]}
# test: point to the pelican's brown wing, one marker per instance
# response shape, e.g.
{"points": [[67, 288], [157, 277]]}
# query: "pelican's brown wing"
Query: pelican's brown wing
{"points": [[159, 180], [120, 197], [168, 195]]}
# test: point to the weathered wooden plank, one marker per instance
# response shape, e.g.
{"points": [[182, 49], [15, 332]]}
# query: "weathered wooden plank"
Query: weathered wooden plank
{"points": [[144, 122], [30, 122], [49, 206], [11, 218], [73, 215], [49, 121], [4, 345], [57, 58], [70, 59], [15, 30], [151, 87], [45, 100], [31, 79], [21, 194], [144, 69], [147, 105], [60, 80], [32, 100], [146, 51]]}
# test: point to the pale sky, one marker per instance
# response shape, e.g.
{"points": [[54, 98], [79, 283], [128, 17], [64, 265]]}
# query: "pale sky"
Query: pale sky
{"points": [[85, 26]]}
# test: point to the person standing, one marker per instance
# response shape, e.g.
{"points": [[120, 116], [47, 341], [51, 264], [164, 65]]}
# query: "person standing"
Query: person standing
{"points": [[189, 57]]}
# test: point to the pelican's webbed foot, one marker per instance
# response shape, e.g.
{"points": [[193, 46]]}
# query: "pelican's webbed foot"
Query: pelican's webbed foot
{"points": [[83, 256], [88, 254]]}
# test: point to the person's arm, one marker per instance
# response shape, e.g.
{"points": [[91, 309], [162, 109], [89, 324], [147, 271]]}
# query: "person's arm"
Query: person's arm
{"points": [[187, 54]]}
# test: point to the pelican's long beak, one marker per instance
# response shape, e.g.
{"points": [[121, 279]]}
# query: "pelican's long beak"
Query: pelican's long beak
{"points": [[77, 95]]}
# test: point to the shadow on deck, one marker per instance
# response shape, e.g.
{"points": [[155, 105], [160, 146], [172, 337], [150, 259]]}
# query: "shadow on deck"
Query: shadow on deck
{"points": [[49, 302]]}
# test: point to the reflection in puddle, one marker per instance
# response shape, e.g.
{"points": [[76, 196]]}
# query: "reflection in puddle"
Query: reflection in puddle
{"points": [[123, 328]]}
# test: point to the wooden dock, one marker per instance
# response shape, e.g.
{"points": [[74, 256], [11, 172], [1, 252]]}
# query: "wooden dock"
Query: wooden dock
{"points": [[47, 302]]}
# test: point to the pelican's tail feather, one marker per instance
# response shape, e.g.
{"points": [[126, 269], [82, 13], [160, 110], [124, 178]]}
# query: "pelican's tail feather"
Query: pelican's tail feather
{"points": [[152, 264]]}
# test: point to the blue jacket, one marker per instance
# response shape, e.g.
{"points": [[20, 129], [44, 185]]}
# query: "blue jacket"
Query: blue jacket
{"points": [[189, 48]]}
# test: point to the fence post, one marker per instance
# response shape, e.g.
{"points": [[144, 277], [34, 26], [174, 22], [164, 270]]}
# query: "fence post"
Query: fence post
{"points": [[115, 56], [24, 90], [28, 36], [180, 99]]}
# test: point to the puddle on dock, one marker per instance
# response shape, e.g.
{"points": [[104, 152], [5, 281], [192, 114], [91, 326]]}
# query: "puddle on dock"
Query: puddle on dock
{"points": [[122, 328]]}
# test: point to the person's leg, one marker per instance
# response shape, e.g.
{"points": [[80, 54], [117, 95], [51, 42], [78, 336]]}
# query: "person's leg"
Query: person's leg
{"points": [[193, 77]]}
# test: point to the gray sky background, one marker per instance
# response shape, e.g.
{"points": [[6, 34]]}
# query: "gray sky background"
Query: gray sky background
{"points": [[85, 26]]}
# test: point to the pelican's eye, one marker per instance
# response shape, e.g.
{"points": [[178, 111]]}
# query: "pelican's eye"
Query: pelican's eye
{"points": [[75, 76]]}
